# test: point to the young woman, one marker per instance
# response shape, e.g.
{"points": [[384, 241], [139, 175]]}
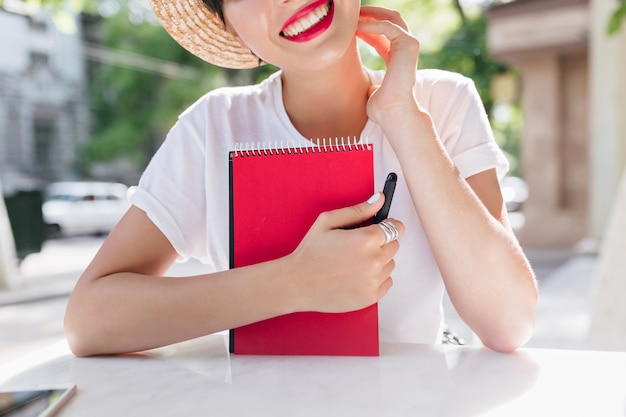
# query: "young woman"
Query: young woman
{"points": [[429, 126]]}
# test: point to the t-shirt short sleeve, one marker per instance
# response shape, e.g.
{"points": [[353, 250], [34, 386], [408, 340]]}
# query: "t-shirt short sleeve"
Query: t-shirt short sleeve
{"points": [[171, 190], [461, 121]]}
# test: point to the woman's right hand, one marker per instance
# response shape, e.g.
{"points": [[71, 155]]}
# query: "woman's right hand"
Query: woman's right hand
{"points": [[387, 32], [340, 268]]}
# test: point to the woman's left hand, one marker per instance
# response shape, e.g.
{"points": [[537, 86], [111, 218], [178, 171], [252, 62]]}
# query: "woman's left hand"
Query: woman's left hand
{"points": [[387, 32]]}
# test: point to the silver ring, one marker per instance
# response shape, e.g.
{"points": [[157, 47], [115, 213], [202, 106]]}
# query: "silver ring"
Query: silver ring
{"points": [[391, 231]]}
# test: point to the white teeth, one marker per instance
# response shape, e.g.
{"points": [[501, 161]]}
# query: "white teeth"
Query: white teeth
{"points": [[308, 21]]}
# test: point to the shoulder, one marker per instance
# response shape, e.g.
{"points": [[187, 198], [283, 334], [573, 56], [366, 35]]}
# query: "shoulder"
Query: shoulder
{"points": [[446, 93], [438, 76], [432, 79], [442, 80], [438, 89], [222, 100]]}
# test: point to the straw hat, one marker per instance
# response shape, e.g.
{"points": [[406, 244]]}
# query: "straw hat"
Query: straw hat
{"points": [[201, 32]]}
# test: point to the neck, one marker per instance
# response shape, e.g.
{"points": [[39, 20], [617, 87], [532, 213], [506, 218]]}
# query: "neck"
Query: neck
{"points": [[328, 103]]}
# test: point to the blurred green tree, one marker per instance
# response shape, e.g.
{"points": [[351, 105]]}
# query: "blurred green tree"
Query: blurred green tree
{"points": [[139, 78], [465, 51], [146, 79], [132, 105], [617, 18], [454, 38]]}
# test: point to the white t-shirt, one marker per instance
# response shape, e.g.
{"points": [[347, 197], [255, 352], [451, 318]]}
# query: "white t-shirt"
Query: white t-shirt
{"points": [[184, 189]]}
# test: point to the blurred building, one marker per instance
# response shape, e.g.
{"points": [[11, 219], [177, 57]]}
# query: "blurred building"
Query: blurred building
{"points": [[43, 104], [573, 94]]}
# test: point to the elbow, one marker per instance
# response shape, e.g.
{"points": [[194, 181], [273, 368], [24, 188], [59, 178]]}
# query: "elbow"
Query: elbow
{"points": [[511, 328], [76, 339], [79, 332], [515, 324], [507, 336], [77, 346], [507, 343], [81, 342]]}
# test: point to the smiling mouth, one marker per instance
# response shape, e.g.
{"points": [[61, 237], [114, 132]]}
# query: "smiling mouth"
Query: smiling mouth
{"points": [[308, 21]]}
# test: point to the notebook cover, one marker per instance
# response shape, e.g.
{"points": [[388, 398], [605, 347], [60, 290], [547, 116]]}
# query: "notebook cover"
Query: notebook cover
{"points": [[275, 197]]}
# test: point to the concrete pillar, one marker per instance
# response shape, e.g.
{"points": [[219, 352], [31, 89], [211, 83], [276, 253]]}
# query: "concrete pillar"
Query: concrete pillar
{"points": [[608, 318], [541, 156], [8, 256], [608, 161], [554, 163], [548, 41], [608, 113]]}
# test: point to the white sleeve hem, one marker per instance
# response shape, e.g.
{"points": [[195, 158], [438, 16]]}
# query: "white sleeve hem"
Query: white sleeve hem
{"points": [[481, 158], [161, 218]]}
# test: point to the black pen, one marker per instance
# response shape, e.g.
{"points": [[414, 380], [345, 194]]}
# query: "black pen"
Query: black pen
{"points": [[388, 189]]}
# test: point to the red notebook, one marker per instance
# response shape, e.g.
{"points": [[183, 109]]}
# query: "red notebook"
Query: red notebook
{"points": [[275, 197]]}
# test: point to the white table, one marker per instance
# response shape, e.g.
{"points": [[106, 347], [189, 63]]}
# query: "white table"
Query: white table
{"points": [[200, 378]]}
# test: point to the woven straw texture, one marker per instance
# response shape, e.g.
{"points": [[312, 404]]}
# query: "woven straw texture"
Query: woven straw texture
{"points": [[202, 33]]}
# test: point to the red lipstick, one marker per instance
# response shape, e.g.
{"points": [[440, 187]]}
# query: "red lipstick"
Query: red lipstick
{"points": [[309, 22]]}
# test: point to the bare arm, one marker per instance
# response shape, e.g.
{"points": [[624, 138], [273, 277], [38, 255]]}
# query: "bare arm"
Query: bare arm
{"points": [[486, 274], [123, 303], [484, 269]]}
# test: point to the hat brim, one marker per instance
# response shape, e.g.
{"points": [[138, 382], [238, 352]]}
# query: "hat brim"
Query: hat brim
{"points": [[201, 32]]}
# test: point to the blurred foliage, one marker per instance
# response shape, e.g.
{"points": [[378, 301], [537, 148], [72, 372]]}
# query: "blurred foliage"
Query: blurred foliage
{"points": [[507, 124], [74, 5], [617, 18], [454, 39], [451, 39], [132, 109], [465, 52], [431, 21], [63, 11]]}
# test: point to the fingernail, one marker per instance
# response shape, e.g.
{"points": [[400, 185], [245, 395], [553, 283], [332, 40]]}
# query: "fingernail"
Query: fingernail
{"points": [[373, 198]]}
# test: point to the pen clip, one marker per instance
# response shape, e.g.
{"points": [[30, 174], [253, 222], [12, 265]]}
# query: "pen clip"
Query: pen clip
{"points": [[388, 190]]}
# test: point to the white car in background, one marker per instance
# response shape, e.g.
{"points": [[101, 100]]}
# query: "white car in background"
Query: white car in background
{"points": [[83, 207], [514, 192]]}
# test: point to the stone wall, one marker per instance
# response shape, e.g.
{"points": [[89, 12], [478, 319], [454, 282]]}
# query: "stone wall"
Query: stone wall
{"points": [[548, 41]]}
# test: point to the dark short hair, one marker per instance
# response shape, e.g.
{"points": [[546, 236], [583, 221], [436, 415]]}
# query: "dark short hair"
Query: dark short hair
{"points": [[216, 6]]}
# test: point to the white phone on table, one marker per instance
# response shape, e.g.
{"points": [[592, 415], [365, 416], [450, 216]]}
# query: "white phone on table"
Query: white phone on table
{"points": [[34, 402]]}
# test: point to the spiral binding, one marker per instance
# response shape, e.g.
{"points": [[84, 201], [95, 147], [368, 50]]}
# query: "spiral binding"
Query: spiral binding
{"points": [[279, 148]]}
